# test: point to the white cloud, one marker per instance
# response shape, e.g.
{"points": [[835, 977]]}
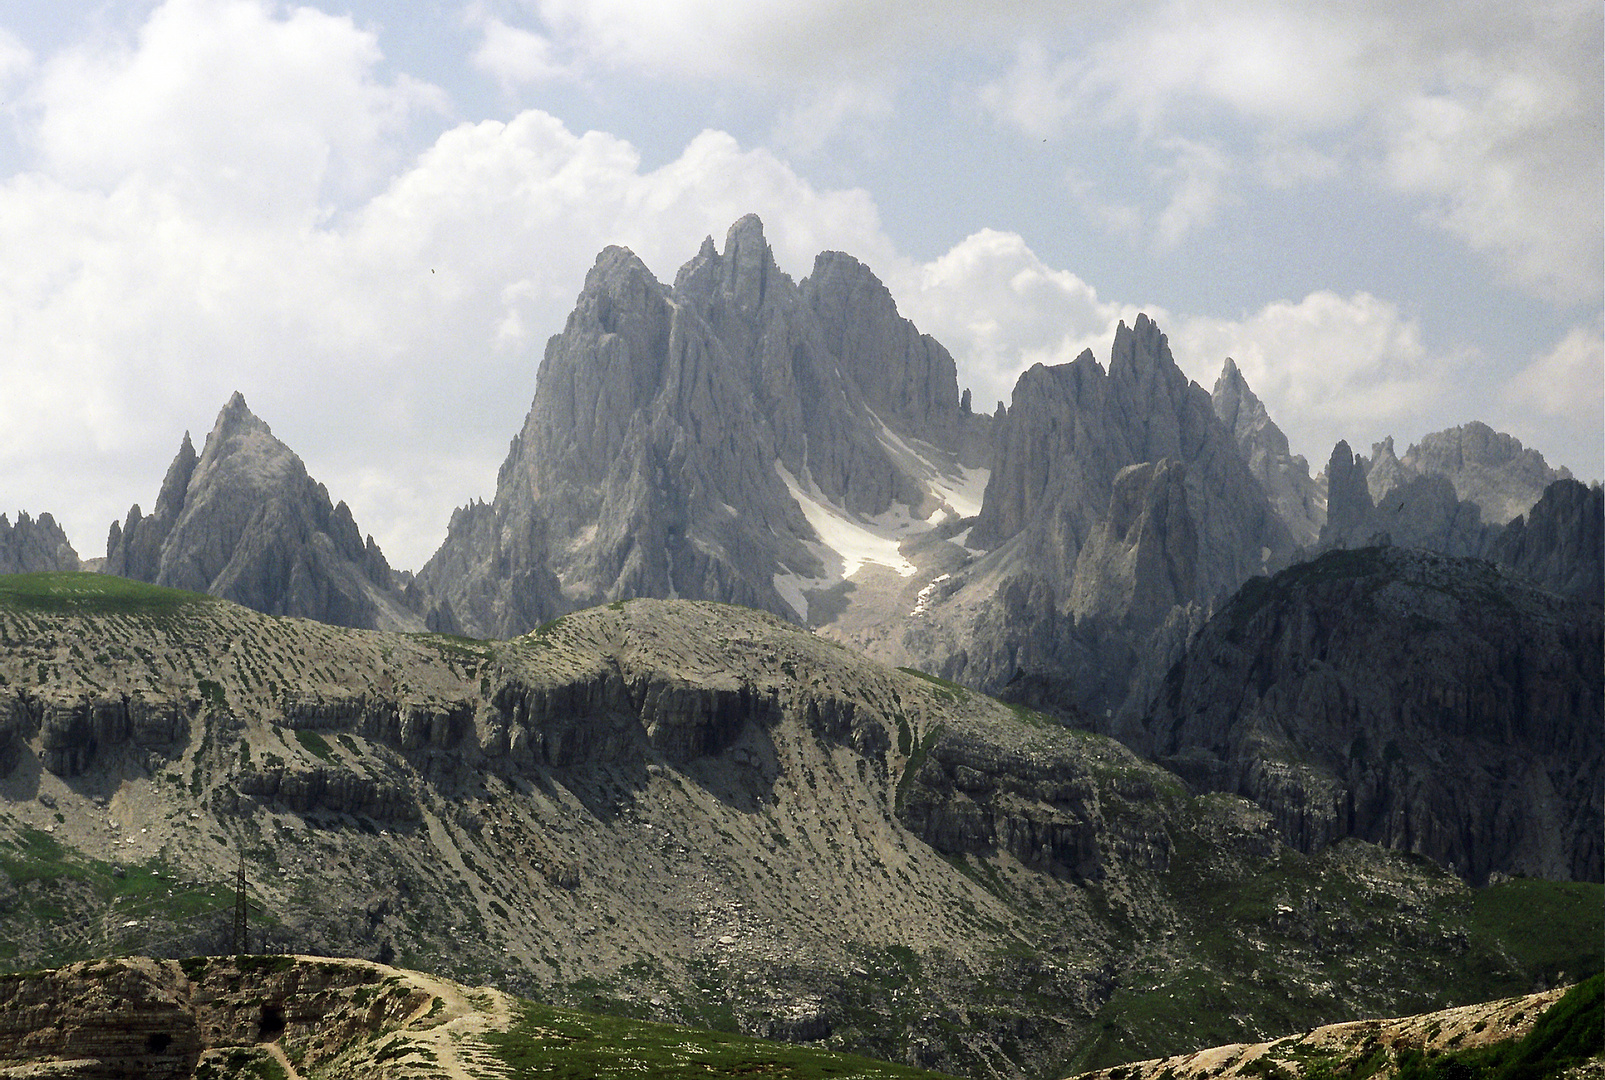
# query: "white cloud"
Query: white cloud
{"points": [[1512, 163], [998, 308], [1559, 396], [516, 57], [1329, 367], [1197, 181], [16, 60], [1492, 114], [226, 106], [394, 345]]}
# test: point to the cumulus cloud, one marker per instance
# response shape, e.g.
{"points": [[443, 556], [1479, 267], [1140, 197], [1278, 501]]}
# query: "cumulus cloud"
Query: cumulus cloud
{"points": [[224, 105], [394, 344], [1559, 393], [1329, 367], [998, 308]]}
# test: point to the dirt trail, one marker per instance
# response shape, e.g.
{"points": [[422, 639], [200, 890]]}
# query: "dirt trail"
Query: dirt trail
{"points": [[452, 1031]]}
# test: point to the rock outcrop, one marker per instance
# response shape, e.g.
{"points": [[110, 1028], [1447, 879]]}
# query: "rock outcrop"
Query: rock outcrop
{"points": [[1560, 543], [1119, 509], [242, 520], [110, 1019], [1486, 467], [1430, 704], [34, 545], [1299, 501], [675, 430]]}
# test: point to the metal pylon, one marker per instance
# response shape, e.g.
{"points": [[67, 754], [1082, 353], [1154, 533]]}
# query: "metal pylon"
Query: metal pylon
{"points": [[239, 909]]}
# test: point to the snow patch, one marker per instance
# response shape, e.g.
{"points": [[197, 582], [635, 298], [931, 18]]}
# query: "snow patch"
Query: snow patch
{"points": [[958, 489], [846, 542], [923, 601]]}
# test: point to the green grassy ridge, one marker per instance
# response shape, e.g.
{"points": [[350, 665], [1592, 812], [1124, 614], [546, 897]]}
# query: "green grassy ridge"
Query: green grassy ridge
{"points": [[75, 592], [550, 1042], [1487, 943]]}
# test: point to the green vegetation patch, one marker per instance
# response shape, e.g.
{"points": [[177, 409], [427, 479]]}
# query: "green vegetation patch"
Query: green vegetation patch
{"points": [[91, 594], [1554, 929], [314, 744], [549, 1042], [69, 907]]}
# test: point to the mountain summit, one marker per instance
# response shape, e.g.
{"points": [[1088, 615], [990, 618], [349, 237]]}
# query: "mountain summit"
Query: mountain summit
{"points": [[734, 437], [242, 520]]}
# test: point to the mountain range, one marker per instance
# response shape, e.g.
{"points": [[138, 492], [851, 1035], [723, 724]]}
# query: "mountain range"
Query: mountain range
{"points": [[777, 688]]}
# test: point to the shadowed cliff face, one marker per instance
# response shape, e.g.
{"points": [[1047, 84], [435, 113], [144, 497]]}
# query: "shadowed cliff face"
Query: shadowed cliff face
{"points": [[1430, 704]]}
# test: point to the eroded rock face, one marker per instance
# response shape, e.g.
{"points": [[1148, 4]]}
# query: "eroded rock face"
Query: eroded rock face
{"points": [[1285, 476], [1049, 811], [34, 545], [1119, 508], [1560, 543], [1430, 704], [668, 424], [242, 520], [114, 1019], [1486, 467], [79, 731]]}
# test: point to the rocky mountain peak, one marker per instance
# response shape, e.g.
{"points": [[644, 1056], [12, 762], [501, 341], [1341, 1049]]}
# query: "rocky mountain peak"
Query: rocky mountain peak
{"points": [[33, 545], [243, 520], [1487, 467], [1285, 476], [908, 378], [1348, 500]]}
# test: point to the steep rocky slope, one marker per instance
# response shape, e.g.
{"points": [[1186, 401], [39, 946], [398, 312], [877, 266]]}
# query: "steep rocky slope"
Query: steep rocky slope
{"points": [[1119, 509], [34, 545], [243, 520], [734, 437], [1299, 501], [689, 812], [1429, 704]]}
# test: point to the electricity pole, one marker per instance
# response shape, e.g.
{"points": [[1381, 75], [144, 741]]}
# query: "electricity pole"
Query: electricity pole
{"points": [[239, 909]]}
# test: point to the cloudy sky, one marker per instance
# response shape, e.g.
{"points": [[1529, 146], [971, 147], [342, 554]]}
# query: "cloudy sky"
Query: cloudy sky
{"points": [[369, 217]]}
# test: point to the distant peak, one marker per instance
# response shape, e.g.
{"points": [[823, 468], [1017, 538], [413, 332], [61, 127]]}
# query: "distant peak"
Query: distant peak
{"points": [[236, 416], [748, 228]]}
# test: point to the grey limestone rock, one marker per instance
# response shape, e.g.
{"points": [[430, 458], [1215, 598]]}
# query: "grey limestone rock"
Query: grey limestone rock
{"points": [[34, 545], [1560, 543], [1348, 501], [242, 520], [1119, 507], [1486, 467], [668, 422], [1285, 476]]}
